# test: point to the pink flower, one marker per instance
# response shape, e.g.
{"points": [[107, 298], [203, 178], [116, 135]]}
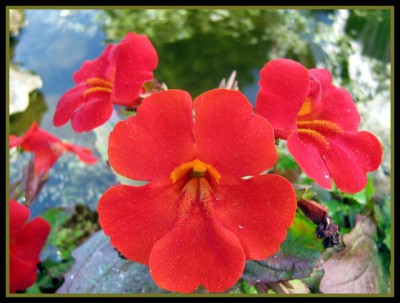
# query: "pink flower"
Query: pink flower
{"points": [[116, 77], [320, 123]]}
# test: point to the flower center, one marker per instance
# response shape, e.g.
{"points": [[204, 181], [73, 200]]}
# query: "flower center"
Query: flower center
{"points": [[97, 85], [306, 107], [318, 130], [195, 169], [197, 183]]}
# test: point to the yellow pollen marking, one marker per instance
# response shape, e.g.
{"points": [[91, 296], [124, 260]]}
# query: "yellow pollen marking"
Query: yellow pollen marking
{"points": [[321, 126], [315, 135], [98, 82], [206, 196], [189, 195], [198, 168], [306, 107], [96, 89]]}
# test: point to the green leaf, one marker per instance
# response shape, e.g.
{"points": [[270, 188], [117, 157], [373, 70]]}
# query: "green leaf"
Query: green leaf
{"points": [[51, 274], [34, 289], [286, 162], [99, 269], [382, 216], [299, 254], [361, 197], [369, 188], [69, 228], [387, 239], [358, 268], [56, 269], [246, 288], [56, 217]]}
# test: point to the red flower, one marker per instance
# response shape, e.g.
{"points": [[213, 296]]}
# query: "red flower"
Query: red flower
{"points": [[48, 149], [320, 122], [26, 242], [197, 220], [116, 77]]}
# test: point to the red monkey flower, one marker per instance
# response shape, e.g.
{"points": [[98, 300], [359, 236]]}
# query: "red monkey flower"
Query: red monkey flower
{"points": [[26, 242], [320, 122], [197, 220], [48, 149], [116, 77]]}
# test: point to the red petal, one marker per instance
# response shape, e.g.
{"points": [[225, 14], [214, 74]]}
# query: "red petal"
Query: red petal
{"points": [[338, 106], [197, 251], [97, 68], [230, 137], [258, 211], [84, 154], [67, 105], [137, 217], [309, 157], [284, 86], [28, 242], [19, 214], [350, 157], [135, 58], [44, 160], [17, 141], [155, 141], [95, 112], [22, 274], [323, 76], [39, 139]]}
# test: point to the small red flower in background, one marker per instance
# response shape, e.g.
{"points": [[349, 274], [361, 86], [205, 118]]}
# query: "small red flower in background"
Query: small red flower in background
{"points": [[116, 77], [48, 149], [26, 242], [320, 122], [197, 220]]}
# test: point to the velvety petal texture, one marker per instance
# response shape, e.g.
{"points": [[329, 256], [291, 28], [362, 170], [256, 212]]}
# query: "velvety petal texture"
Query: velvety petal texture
{"points": [[197, 251], [284, 85], [338, 106], [48, 148], [19, 214], [117, 76], [97, 68], [258, 211], [350, 156], [323, 134], [68, 104], [316, 169], [26, 242], [135, 58], [196, 221], [137, 217], [151, 144], [94, 112], [230, 137]]}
